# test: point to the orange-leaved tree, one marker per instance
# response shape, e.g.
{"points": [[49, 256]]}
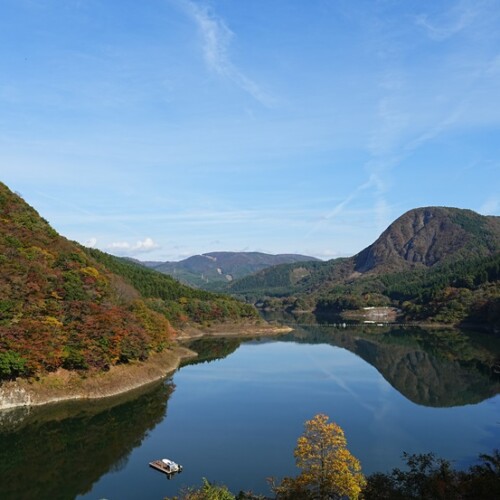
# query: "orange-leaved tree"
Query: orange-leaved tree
{"points": [[328, 470]]}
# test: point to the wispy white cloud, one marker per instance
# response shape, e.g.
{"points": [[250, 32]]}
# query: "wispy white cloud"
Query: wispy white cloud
{"points": [[126, 248], [216, 40], [391, 123], [434, 130], [403, 125], [195, 216], [490, 206], [493, 66], [450, 22], [91, 242]]}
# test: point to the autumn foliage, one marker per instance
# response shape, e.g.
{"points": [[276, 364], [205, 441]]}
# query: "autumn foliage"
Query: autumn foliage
{"points": [[328, 470], [61, 307]]}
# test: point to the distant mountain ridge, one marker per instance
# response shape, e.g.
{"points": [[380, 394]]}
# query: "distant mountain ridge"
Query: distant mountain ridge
{"points": [[216, 268]]}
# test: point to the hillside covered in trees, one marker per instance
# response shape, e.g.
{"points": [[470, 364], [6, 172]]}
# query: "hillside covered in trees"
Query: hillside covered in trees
{"points": [[435, 263], [62, 305]]}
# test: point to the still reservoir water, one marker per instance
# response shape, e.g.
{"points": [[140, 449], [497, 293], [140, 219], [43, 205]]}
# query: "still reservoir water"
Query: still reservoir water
{"points": [[235, 415]]}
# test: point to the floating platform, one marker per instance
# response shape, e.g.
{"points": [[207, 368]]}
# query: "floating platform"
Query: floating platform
{"points": [[166, 466]]}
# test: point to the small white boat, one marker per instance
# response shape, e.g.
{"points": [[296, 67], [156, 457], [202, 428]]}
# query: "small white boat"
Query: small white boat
{"points": [[165, 465]]}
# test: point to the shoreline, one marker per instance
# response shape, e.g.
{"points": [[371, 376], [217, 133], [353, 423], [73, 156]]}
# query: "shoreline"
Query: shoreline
{"points": [[64, 385], [232, 330]]}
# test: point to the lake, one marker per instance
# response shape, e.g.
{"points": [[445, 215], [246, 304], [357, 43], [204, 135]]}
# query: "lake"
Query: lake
{"points": [[235, 414]]}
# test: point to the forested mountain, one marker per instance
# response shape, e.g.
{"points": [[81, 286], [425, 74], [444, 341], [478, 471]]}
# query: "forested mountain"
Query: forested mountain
{"points": [[424, 237], [436, 262], [65, 306], [213, 269]]}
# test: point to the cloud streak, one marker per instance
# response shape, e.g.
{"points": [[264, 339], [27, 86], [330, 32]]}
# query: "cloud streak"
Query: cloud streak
{"points": [[216, 40], [339, 208]]}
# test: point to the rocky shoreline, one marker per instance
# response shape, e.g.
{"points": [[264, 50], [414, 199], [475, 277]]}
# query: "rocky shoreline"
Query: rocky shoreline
{"points": [[65, 385]]}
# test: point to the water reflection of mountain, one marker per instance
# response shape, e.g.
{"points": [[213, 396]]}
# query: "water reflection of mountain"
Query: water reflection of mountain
{"points": [[429, 367], [438, 368], [58, 452]]}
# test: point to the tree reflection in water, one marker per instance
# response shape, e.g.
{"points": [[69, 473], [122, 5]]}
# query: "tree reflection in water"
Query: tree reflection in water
{"points": [[59, 451]]}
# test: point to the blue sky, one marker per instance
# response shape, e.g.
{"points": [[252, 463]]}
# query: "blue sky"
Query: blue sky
{"points": [[167, 128]]}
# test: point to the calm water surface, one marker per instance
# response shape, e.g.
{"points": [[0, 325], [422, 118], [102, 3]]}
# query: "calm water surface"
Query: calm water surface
{"points": [[235, 420]]}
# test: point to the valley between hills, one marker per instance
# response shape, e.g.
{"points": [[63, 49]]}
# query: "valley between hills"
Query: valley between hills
{"points": [[77, 322]]}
